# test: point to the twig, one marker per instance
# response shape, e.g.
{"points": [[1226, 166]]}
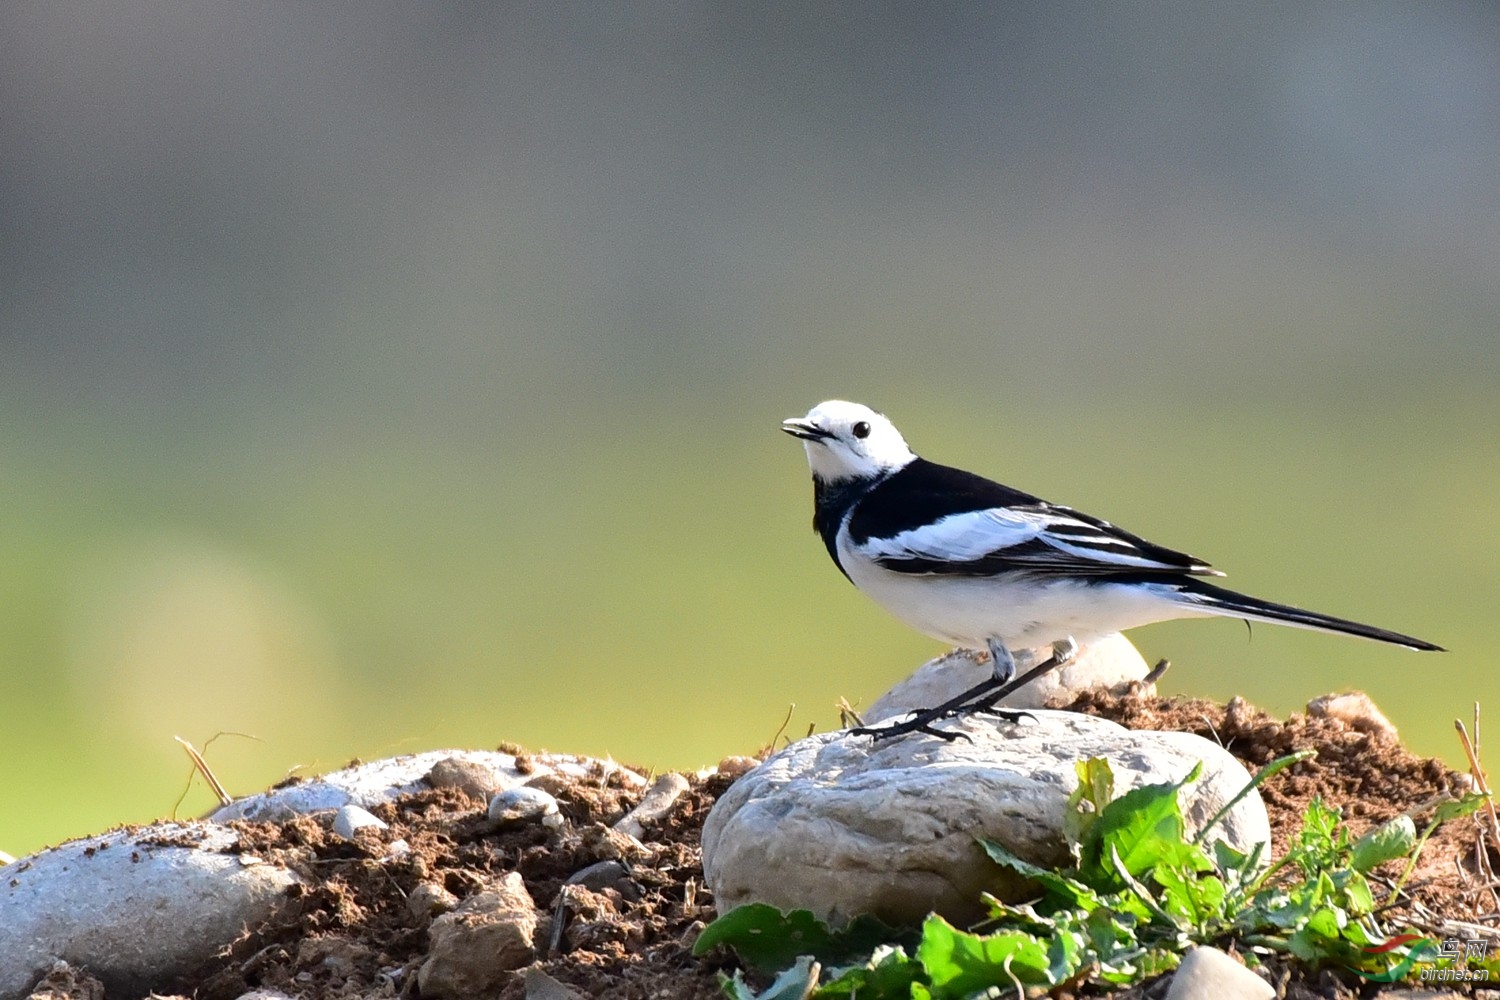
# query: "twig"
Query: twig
{"points": [[201, 766], [846, 713], [790, 708], [1471, 750], [1156, 672]]}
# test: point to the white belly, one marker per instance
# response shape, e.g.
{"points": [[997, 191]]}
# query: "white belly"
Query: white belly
{"points": [[1021, 612]]}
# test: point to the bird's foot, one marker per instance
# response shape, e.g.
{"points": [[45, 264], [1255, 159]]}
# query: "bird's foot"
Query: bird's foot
{"points": [[918, 723], [982, 697]]}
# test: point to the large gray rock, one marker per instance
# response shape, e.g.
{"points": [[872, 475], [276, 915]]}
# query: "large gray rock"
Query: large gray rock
{"points": [[133, 907], [1111, 663], [369, 785], [840, 825]]}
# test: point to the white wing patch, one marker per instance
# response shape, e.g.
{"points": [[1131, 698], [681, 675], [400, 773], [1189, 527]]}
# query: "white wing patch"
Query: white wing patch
{"points": [[1027, 538]]}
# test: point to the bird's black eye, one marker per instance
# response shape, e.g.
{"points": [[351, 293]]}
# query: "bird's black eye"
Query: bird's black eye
{"points": [[861, 430]]}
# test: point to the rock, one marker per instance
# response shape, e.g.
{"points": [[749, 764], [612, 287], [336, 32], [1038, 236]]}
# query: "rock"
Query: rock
{"points": [[63, 982], [1356, 710], [840, 825], [469, 776], [525, 804], [602, 842], [351, 818], [368, 785], [654, 805], [134, 907], [475, 948], [1209, 974], [540, 986], [1111, 662], [603, 875], [734, 765], [429, 899]]}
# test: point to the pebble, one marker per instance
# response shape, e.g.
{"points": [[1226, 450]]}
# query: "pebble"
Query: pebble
{"points": [[1356, 710], [428, 900], [351, 818], [603, 875], [467, 775], [655, 804], [519, 805], [540, 986], [1209, 974], [733, 766]]}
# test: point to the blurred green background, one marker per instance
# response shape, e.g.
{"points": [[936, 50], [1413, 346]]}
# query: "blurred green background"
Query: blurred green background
{"points": [[376, 378]]}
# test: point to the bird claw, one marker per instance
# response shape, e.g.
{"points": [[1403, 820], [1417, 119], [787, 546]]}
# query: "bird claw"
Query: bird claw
{"points": [[916, 724], [1010, 715]]}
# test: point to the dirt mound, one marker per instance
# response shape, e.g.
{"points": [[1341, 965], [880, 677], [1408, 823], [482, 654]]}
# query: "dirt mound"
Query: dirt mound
{"points": [[353, 930]]}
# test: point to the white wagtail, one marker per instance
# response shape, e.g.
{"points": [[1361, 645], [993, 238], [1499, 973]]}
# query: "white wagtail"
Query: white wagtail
{"points": [[983, 566]]}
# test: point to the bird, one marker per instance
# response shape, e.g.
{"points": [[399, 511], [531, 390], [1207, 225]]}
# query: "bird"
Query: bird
{"points": [[976, 564]]}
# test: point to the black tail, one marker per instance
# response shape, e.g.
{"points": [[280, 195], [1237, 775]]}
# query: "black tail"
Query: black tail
{"points": [[1226, 602]]}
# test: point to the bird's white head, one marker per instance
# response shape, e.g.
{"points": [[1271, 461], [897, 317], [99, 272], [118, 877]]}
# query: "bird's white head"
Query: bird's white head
{"points": [[849, 441]]}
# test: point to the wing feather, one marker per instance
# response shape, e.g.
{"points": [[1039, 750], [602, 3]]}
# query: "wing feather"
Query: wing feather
{"points": [[1036, 538]]}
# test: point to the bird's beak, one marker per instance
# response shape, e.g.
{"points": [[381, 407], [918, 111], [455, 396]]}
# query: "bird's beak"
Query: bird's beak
{"points": [[805, 429]]}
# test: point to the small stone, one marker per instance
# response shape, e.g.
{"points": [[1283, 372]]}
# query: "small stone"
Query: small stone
{"points": [[429, 899], [540, 986], [6, 859], [1209, 974], [600, 841], [351, 818], [525, 804], [1356, 710], [63, 982], [654, 805], [607, 875], [475, 948], [465, 774], [734, 765]]}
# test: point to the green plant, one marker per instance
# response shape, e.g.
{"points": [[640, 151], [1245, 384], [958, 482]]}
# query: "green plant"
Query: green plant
{"points": [[1138, 895]]}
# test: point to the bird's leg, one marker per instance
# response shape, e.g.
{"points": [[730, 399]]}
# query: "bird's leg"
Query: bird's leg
{"points": [[1063, 652], [1003, 669], [981, 696], [1002, 664]]}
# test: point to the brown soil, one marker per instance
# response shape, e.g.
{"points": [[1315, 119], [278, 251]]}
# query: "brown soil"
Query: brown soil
{"points": [[351, 932]]}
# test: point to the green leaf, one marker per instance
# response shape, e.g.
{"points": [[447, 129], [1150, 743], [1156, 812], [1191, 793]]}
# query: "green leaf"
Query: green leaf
{"points": [[1060, 888], [1456, 808], [1096, 787], [1387, 842], [1144, 827], [890, 974], [958, 963], [770, 940], [1198, 899]]}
